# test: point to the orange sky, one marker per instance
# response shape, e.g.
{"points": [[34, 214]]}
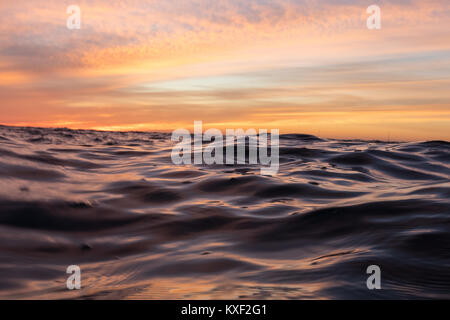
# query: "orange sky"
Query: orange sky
{"points": [[300, 66]]}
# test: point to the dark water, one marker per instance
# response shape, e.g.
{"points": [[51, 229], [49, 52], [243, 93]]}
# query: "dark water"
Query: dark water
{"points": [[141, 227]]}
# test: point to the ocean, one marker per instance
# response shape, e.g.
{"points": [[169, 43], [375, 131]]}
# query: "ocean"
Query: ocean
{"points": [[140, 227]]}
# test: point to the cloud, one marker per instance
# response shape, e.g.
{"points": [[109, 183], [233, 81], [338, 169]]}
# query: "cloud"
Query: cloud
{"points": [[152, 63]]}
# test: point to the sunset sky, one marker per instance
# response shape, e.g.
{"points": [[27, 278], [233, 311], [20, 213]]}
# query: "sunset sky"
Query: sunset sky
{"points": [[301, 66]]}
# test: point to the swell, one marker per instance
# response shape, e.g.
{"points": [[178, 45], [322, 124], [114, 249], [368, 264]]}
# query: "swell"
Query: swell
{"points": [[140, 226]]}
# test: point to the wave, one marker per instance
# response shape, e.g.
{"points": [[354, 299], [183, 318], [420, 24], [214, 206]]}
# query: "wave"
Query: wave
{"points": [[141, 227]]}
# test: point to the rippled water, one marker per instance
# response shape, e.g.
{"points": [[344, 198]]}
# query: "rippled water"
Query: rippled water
{"points": [[140, 227]]}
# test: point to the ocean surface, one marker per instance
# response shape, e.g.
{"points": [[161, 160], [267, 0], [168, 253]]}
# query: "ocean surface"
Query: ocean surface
{"points": [[141, 227]]}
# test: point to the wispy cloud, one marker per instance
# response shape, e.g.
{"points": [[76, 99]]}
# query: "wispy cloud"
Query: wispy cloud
{"points": [[160, 64]]}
